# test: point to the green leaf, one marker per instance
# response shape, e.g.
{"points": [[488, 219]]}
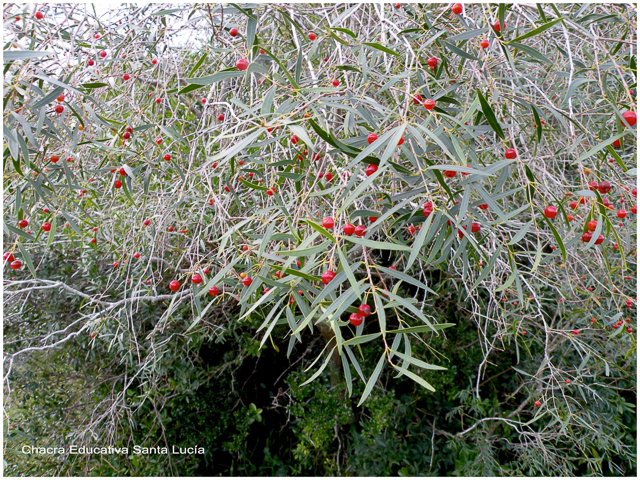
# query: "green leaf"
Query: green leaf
{"points": [[373, 379], [216, 77], [378, 245], [48, 99], [382, 316], [521, 233], [556, 235], [404, 277], [416, 362], [11, 55], [319, 371], [27, 259], [423, 328], [531, 51], [536, 31], [347, 268], [468, 35], [489, 115], [321, 230], [598, 148], [414, 377], [382, 48], [361, 339], [411, 308]]}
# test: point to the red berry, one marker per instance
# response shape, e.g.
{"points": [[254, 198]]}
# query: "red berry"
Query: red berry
{"points": [[154, 61], [8, 257], [115, 265], [510, 153], [604, 187], [428, 209], [242, 64], [170, 229], [630, 118], [634, 209], [23, 223], [475, 227], [90, 62], [16, 264], [247, 281], [429, 104], [220, 117], [213, 291], [335, 82], [364, 310], [167, 157], [46, 226], [233, 32], [136, 255], [146, 222], [496, 25], [328, 176], [616, 143], [397, 5], [591, 226], [411, 229], [39, 15], [372, 137], [586, 237], [360, 230], [327, 222], [432, 62], [196, 279], [174, 286], [484, 43], [312, 36], [550, 211], [373, 219], [117, 184], [600, 239], [457, 8], [537, 403], [449, 173], [401, 141], [370, 170], [126, 135], [294, 139], [417, 99], [355, 319], [125, 77], [59, 109], [348, 229], [328, 276]]}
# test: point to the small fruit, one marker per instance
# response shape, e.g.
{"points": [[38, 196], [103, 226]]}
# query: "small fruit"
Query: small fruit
{"points": [[355, 319], [174, 285], [90, 62], [46, 226], [213, 291], [364, 310], [576, 332], [428, 209], [233, 32], [136, 255], [401, 141], [327, 277], [373, 219], [475, 227], [312, 36], [146, 223], [39, 15], [449, 173], [348, 229], [629, 118], [432, 62], [220, 117], [247, 281], [496, 25], [59, 109], [8, 257], [411, 229], [370, 170], [294, 139], [510, 153], [622, 213], [600, 239], [604, 187], [417, 99], [170, 229], [372, 137], [23, 223], [154, 61], [429, 104], [117, 184], [335, 82], [16, 264], [591, 226], [242, 64], [484, 43], [196, 279], [327, 222], [126, 77], [586, 237], [328, 176], [457, 8], [537, 403], [360, 230], [550, 211]]}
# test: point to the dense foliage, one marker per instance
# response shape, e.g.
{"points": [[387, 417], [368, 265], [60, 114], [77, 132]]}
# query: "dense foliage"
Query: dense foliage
{"points": [[329, 239]]}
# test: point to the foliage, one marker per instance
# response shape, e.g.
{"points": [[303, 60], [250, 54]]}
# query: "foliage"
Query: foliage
{"points": [[141, 153]]}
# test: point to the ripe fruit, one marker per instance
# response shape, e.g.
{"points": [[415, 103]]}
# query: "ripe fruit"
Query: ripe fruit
{"points": [[417, 99], [373, 219], [242, 64], [457, 8], [429, 104], [475, 227], [328, 176], [39, 15], [125, 77], [146, 222], [428, 209], [401, 141], [213, 291], [550, 211], [136, 255], [630, 118], [46, 226], [59, 109], [294, 139], [348, 229], [432, 62], [496, 25], [484, 43], [90, 62], [449, 173], [328, 276], [372, 137], [220, 117], [593, 185], [23, 223], [247, 281], [397, 5], [364, 310], [174, 285], [586, 237], [576, 332], [233, 32], [360, 230], [8, 257], [591, 226], [634, 209], [117, 184], [312, 36], [411, 229], [600, 239], [355, 319], [335, 82], [154, 61], [327, 222], [370, 170], [510, 153], [537, 403], [16, 264], [604, 187], [170, 229], [126, 135], [196, 279]]}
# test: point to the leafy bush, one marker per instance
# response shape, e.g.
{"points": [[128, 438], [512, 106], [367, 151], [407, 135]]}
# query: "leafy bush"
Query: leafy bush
{"points": [[188, 187]]}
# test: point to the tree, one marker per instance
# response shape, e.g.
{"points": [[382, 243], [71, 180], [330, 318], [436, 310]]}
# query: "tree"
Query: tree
{"points": [[344, 171]]}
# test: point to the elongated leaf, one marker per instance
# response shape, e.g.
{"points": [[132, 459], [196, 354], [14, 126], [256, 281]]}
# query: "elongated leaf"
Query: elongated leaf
{"points": [[423, 328], [378, 245], [361, 339], [415, 378], [536, 31], [382, 48], [489, 115], [416, 362], [404, 277], [216, 77], [347, 268], [11, 55], [372, 380]]}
